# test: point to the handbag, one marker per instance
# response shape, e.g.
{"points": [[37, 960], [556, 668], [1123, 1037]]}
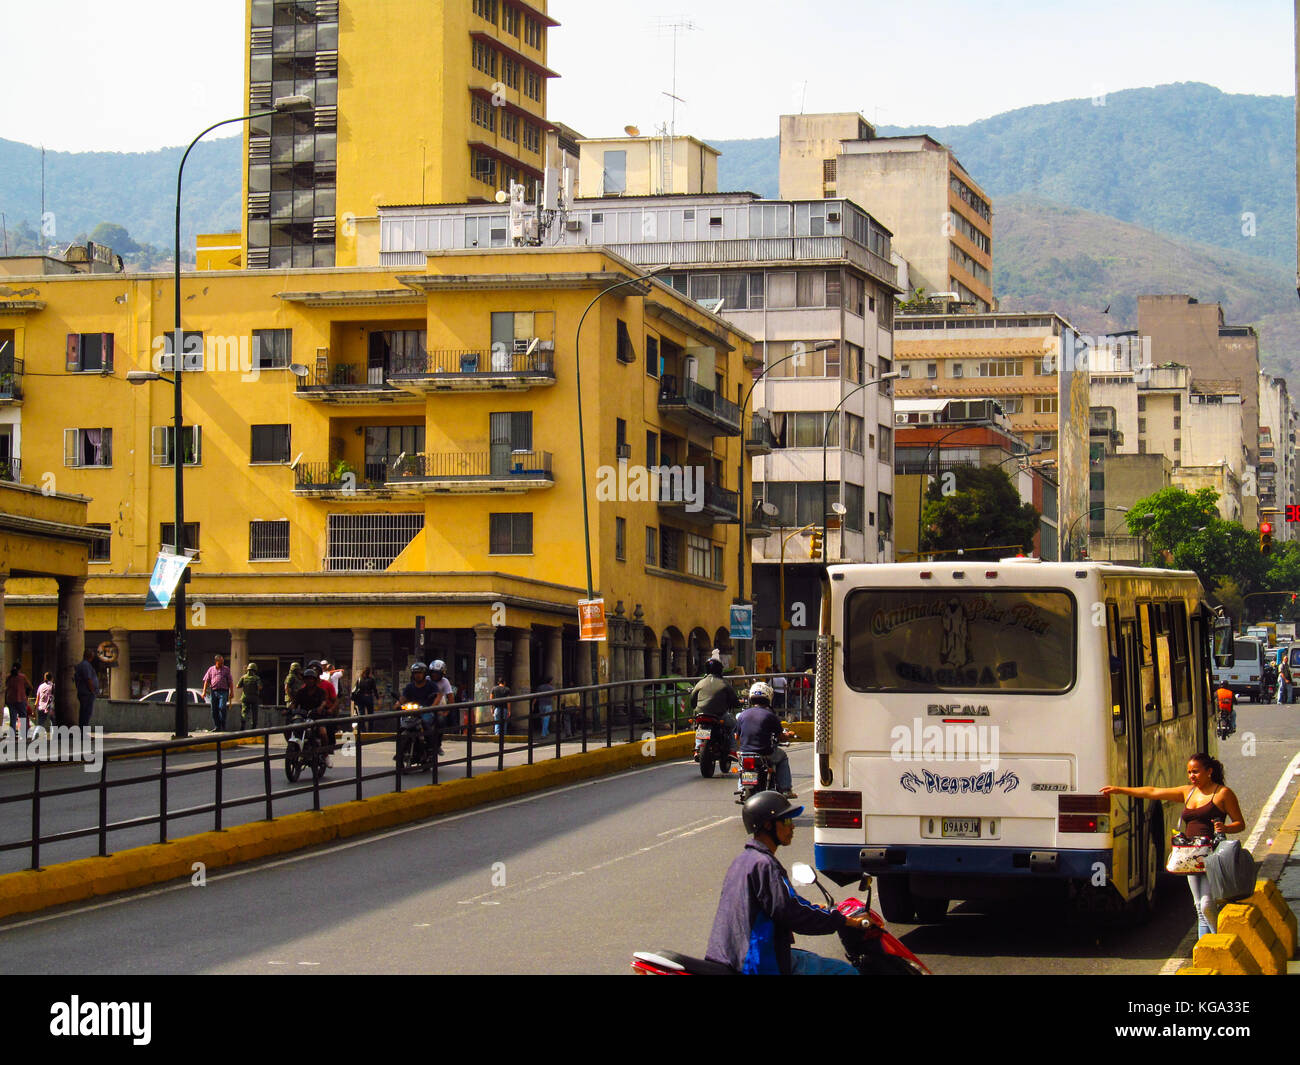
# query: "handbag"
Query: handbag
{"points": [[1187, 854], [1231, 872]]}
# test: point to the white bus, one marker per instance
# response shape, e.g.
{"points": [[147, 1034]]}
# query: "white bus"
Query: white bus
{"points": [[968, 714]]}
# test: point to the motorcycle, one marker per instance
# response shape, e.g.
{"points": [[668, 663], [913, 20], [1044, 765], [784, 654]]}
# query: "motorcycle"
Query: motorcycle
{"points": [[712, 744], [871, 949], [413, 750], [757, 773], [1223, 724], [303, 747]]}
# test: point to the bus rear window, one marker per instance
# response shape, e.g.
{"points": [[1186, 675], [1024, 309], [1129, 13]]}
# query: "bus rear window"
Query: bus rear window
{"points": [[932, 640]]}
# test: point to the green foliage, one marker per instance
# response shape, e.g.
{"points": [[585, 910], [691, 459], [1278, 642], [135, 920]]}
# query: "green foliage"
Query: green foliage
{"points": [[115, 237], [981, 510]]}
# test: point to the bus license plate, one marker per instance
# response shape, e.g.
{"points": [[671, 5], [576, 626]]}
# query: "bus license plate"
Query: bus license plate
{"points": [[961, 827]]}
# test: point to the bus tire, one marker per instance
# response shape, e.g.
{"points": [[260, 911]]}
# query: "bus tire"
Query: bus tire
{"points": [[1152, 867], [895, 895]]}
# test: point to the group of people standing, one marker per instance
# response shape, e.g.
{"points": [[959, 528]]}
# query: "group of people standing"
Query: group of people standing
{"points": [[18, 692]]}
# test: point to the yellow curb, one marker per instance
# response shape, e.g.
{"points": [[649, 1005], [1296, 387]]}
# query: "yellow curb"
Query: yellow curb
{"points": [[1274, 910], [1193, 970], [32, 890], [1226, 953], [1246, 922], [802, 729]]}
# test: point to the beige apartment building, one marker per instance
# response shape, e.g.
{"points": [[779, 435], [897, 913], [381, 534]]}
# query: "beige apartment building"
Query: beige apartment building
{"points": [[1277, 455], [646, 166], [1016, 359], [941, 219]]}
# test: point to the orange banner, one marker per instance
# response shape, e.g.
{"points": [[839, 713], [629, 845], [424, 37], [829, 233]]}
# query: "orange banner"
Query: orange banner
{"points": [[591, 619]]}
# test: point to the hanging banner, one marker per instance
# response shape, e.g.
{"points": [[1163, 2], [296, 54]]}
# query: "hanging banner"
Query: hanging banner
{"points": [[742, 621], [162, 584], [591, 619]]}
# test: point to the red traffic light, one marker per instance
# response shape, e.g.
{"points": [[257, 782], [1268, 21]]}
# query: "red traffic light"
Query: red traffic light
{"points": [[1265, 528]]}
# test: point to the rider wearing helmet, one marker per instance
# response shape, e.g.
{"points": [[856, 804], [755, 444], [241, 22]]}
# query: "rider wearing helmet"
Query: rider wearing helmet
{"points": [[760, 911], [760, 731], [426, 692], [716, 698], [317, 700]]}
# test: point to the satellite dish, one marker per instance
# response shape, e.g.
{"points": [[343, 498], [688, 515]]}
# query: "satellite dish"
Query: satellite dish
{"points": [[715, 306], [532, 345], [294, 464], [839, 508], [502, 196], [298, 369], [632, 131], [771, 509]]}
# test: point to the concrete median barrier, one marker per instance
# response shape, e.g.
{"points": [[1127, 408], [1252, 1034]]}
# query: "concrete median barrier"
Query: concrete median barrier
{"points": [[39, 889], [1226, 953]]}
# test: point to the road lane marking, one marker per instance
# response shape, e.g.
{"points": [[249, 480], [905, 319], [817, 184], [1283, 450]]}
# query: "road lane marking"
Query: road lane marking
{"points": [[1177, 961], [336, 847]]}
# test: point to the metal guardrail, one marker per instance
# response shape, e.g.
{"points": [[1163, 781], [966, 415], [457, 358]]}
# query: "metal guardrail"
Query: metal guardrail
{"points": [[473, 465], [645, 708], [460, 362], [11, 379]]}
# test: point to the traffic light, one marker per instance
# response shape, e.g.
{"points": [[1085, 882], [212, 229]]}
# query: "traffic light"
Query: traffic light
{"points": [[815, 545], [1265, 538]]}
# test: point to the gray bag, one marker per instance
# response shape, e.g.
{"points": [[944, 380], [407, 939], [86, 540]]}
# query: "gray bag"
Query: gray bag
{"points": [[1230, 871]]}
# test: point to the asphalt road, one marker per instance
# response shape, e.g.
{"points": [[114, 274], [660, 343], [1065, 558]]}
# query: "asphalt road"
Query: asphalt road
{"points": [[570, 881]]}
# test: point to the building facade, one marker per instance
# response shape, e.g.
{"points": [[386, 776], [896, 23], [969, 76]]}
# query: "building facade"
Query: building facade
{"points": [[412, 102], [367, 447], [940, 218]]}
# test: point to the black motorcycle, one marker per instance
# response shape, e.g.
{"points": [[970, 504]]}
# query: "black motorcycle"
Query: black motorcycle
{"points": [[303, 747], [414, 752], [712, 744]]}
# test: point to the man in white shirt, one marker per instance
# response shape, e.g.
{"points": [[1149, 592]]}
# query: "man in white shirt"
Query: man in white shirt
{"points": [[778, 693]]}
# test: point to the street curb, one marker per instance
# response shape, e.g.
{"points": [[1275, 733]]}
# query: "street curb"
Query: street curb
{"points": [[1226, 953], [37, 889], [153, 752]]}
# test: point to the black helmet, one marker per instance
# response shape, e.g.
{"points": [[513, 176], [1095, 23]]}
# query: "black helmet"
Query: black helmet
{"points": [[419, 667], [761, 809], [713, 667], [310, 673]]}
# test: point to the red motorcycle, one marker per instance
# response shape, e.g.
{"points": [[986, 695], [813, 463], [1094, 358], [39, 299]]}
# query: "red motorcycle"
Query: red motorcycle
{"points": [[872, 949]]}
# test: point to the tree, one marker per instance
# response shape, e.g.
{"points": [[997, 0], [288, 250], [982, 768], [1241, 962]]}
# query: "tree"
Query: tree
{"points": [[972, 507], [114, 236], [1186, 532], [1175, 515]]}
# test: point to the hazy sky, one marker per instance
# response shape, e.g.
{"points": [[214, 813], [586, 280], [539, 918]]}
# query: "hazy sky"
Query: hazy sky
{"points": [[142, 74]]}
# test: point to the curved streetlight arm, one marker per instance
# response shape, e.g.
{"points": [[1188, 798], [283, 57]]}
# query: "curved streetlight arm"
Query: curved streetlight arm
{"points": [[920, 491]]}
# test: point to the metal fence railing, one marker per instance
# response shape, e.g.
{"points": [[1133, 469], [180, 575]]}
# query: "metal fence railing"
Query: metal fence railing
{"points": [[605, 715]]}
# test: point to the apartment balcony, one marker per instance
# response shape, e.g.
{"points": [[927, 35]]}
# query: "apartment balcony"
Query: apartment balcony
{"points": [[341, 480], [759, 439], [700, 407], [351, 382], [11, 382], [683, 493], [530, 364], [465, 472]]}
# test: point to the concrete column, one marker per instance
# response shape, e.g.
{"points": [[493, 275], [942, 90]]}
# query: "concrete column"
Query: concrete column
{"points": [[361, 655], [238, 663], [553, 657], [119, 678], [485, 656], [521, 676], [71, 646]]}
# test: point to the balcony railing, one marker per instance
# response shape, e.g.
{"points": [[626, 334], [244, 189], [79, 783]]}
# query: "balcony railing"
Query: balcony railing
{"points": [[710, 501], [693, 398], [11, 470], [451, 466], [11, 380], [478, 369], [339, 380], [337, 478], [758, 436]]}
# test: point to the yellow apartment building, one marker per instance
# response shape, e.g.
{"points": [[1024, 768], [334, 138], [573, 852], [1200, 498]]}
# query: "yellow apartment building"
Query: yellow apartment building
{"points": [[371, 450], [414, 101]]}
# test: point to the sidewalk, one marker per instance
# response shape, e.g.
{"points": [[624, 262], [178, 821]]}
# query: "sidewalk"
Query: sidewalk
{"points": [[1282, 865]]}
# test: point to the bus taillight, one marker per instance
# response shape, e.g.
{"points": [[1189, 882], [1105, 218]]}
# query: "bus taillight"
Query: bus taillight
{"points": [[837, 818], [1083, 804], [837, 800], [1082, 823]]}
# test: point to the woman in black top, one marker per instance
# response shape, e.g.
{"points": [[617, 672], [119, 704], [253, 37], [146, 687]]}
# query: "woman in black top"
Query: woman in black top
{"points": [[1209, 808], [365, 693]]}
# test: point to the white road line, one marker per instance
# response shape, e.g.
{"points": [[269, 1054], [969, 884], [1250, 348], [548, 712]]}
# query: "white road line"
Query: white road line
{"points": [[1261, 826], [335, 848]]}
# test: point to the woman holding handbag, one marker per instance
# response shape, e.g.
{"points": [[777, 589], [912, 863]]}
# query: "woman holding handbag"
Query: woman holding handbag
{"points": [[1210, 808]]}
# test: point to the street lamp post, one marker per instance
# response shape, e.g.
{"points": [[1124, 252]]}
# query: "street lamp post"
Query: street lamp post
{"points": [[785, 622], [742, 546], [285, 104], [1069, 529], [826, 435], [582, 447]]}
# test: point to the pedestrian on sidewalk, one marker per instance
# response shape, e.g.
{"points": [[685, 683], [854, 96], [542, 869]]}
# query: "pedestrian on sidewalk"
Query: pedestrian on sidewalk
{"points": [[1210, 808], [364, 694], [45, 702], [1285, 680], [545, 707], [18, 690], [500, 708], [87, 680], [293, 682], [217, 686], [250, 687]]}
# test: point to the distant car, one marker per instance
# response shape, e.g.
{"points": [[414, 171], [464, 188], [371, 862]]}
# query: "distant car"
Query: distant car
{"points": [[165, 696]]}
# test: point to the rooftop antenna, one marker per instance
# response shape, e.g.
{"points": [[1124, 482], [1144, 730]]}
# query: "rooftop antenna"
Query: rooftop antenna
{"points": [[673, 26]]}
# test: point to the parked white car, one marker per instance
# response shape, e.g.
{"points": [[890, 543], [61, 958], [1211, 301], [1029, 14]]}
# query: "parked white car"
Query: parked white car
{"points": [[165, 696]]}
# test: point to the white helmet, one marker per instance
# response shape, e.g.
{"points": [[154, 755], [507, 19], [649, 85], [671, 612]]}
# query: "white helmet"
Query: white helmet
{"points": [[439, 666], [761, 690]]}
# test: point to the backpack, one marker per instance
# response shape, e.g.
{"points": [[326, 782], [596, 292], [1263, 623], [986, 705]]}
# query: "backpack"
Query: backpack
{"points": [[1231, 872]]}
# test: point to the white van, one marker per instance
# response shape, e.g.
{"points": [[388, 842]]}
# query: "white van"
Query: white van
{"points": [[1246, 673]]}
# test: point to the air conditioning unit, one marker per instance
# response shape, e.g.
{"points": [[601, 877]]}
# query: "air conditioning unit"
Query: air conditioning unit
{"points": [[624, 452], [521, 346], [573, 225], [833, 216]]}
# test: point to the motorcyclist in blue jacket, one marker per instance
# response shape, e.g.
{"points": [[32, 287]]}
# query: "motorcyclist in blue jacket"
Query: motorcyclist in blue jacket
{"points": [[760, 912]]}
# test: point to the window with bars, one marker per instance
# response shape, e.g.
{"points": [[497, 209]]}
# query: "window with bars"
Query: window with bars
{"points": [[268, 541], [620, 539], [269, 444], [369, 541], [510, 534], [100, 550], [625, 352], [167, 537], [651, 546], [670, 548]]}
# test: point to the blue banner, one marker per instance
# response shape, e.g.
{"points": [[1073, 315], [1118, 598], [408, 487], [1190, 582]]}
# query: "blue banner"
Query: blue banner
{"points": [[742, 621], [162, 584]]}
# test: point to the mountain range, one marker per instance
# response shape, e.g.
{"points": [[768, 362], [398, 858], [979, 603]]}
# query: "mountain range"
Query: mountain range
{"points": [[1179, 188]]}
